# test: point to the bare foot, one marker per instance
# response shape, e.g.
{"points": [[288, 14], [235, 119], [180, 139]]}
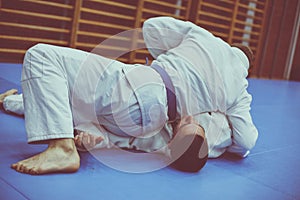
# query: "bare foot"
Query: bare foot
{"points": [[5, 94], [61, 156]]}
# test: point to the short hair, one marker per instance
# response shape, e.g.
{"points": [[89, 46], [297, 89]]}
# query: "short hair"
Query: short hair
{"points": [[190, 160], [247, 51]]}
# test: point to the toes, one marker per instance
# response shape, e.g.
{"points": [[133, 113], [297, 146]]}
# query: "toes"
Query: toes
{"points": [[14, 166], [26, 169], [50, 161], [11, 92], [17, 166], [20, 167], [14, 91], [33, 171]]}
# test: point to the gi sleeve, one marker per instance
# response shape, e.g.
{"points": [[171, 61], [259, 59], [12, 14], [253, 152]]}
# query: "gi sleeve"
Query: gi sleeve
{"points": [[244, 133], [14, 104], [217, 132], [164, 33]]}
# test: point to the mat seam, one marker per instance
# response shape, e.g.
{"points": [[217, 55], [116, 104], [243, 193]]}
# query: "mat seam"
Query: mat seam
{"points": [[272, 150], [258, 182], [287, 194], [21, 193]]}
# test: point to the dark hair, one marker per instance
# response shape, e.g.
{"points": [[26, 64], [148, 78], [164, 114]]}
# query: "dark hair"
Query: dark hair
{"points": [[190, 161], [247, 51]]}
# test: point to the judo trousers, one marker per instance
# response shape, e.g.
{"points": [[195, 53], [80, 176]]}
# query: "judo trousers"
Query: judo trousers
{"points": [[47, 78]]}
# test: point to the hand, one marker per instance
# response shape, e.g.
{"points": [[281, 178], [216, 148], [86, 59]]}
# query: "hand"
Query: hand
{"points": [[86, 140]]}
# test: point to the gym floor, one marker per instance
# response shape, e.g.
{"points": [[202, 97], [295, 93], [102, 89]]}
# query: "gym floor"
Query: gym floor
{"points": [[271, 171]]}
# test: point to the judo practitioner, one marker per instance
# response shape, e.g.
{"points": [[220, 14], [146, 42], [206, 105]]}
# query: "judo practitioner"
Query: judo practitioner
{"points": [[113, 103]]}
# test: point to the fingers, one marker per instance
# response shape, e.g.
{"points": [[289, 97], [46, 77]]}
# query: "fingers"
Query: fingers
{"points": [[77, 141], [99, 139], [86, 140]]}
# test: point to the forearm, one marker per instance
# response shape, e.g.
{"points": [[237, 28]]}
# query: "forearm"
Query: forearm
{"points": [[244, 132], [244, 135]]}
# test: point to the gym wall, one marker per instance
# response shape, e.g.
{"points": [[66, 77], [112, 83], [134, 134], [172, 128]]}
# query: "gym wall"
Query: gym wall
{"points": [[84, 24]]}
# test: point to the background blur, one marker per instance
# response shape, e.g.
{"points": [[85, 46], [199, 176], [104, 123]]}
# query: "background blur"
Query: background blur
{"points": [[269, 27]]}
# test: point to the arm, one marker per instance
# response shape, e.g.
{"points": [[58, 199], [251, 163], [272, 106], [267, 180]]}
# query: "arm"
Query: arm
{"points": [[244, 133], [183, 39], [164, 33], [217, 132]]}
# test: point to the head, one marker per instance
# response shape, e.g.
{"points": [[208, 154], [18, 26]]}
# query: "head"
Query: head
{"points": [[247, 51], [189, 148]]}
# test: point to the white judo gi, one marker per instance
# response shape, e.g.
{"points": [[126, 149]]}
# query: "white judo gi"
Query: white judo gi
{"points": [[210, 81], [209, 77], [65, 88]]}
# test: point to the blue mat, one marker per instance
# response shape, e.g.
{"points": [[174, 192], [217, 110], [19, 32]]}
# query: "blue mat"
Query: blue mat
{"points": [[271, 171]]}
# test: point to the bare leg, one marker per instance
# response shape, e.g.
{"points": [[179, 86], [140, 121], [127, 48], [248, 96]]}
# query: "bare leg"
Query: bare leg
{"points": [[61, 156], [5, 94]]}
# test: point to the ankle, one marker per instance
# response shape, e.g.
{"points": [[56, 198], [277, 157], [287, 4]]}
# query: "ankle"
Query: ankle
{"points": [[66, 144]]}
